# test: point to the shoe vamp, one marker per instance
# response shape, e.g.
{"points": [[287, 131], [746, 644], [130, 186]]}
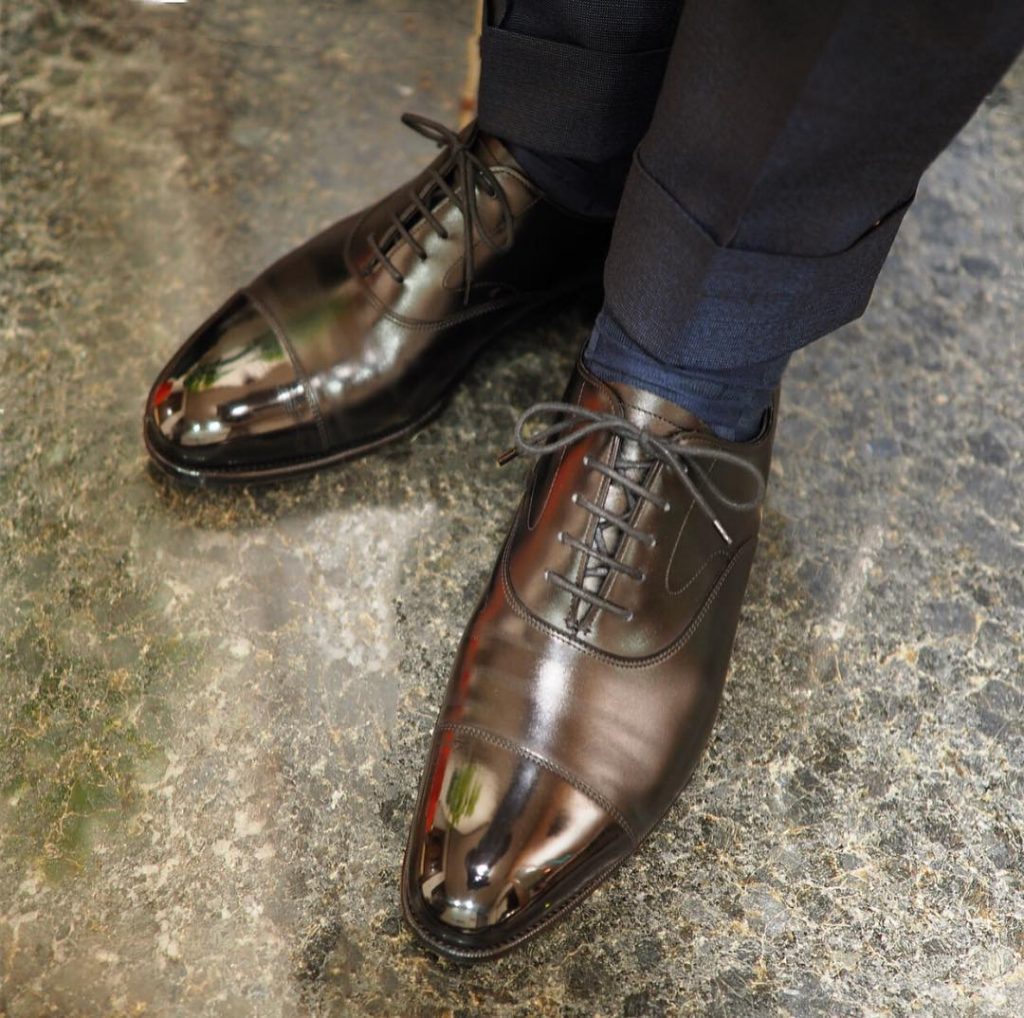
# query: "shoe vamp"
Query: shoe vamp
{"points": [[664, 587], [351, 344], [632, 732], [351, 333]]}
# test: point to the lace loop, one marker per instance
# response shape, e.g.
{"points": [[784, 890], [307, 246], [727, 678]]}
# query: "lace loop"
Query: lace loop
{"points": [[471, 175], [680, 455]]}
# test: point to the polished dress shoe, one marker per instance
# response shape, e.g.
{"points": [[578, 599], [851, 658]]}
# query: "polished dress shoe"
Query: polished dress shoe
{"points": [[588, 681], [358, 337]]}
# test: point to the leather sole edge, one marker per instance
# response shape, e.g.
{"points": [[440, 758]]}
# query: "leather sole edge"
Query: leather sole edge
{"points": [[229, 477]]}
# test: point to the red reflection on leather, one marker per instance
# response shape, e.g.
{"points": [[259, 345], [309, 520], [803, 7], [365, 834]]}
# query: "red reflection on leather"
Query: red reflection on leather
{"points": [[163, 390]]}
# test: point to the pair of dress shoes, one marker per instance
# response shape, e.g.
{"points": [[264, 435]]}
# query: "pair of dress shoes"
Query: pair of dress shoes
{"points": [[589, 678]]}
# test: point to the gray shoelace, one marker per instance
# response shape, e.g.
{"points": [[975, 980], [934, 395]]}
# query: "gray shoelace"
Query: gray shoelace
{"points": [[470, 176], [631, 475]]}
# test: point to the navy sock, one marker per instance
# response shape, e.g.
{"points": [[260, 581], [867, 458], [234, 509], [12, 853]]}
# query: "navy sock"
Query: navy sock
{"points": [[730, 401]]}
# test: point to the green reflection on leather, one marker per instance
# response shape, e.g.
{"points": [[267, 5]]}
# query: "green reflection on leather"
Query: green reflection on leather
{"points": [[207, 373], [463, 793]]}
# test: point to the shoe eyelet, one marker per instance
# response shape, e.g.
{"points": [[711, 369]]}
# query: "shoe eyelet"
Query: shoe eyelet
{"points": [[560, 538], [547, 575], [667, 507], [642, 578], [653, 543], [628, 618], [586, 459], [575, 498]]}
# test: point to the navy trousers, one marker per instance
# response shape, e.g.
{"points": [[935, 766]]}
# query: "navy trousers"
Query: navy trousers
{"points": [[772, 147]]}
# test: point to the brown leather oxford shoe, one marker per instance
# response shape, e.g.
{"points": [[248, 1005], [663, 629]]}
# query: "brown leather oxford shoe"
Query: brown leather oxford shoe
{"points": [[588, 681], [357, 338]]}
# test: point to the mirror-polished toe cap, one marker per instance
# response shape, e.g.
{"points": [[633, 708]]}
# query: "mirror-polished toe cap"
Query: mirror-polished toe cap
{"points": [[230, 399], [499, 843]]}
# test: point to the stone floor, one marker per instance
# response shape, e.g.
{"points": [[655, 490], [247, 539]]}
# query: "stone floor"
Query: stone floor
{"points": [[213, 707]]}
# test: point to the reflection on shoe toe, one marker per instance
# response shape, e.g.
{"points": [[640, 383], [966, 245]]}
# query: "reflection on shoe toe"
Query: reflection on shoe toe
{"points": [[499, 841], [229, 390]]}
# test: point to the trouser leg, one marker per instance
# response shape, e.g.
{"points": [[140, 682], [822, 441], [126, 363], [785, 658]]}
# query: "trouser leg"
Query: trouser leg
{"points": [[785, 147], [570, 87]]}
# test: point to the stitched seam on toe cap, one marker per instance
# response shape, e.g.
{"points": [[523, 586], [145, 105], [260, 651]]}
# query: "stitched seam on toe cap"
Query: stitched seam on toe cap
{"points": [[560, 772], [283, 338]]}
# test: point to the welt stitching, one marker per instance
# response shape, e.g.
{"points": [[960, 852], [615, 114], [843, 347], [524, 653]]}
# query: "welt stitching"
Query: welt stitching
{"points": [[560, 772], [538, 924], [316, 459]]}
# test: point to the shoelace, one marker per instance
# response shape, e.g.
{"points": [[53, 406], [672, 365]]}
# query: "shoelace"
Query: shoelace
{"points": [[471, 175], [678, 454]]}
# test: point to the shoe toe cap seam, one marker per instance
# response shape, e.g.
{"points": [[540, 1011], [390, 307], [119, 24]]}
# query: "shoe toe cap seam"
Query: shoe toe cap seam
{"points": [[485, 735], [281, 334]]}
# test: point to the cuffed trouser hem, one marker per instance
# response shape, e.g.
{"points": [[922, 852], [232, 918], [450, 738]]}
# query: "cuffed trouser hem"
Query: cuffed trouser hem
{"points": [[562, 99], [687, 299]]}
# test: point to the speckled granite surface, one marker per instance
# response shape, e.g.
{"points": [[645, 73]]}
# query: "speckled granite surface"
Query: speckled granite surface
{"points": [[214, 707]]}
